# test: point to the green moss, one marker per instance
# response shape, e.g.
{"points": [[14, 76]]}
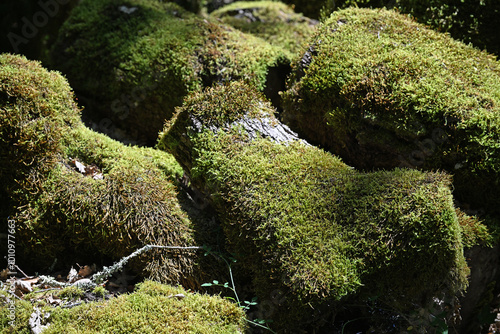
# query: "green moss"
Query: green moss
{"points": [[21, 309], [474, 232], [468, 21], [35, 105], [150, 309], [112, 216], [221, 106], [126, 198], [273, 21], [383, 91], [311, 228], [71, 292], [145, 61], [99, 291]]}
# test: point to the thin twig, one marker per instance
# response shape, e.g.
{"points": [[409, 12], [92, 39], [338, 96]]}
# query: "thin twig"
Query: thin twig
{"points": [[260, 325], [45, 290], [12, 293], [175, 247], [22, 272], [71, 305], [106, 272]]}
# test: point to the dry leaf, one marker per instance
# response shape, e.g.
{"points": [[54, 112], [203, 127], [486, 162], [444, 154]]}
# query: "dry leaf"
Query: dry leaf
{"points": [[113, 285], [85, 271], [22, 287], [98, 176], [72, 276], [4, 274], [53, 301], [90, 170], [79, 166], [31, 280], [95, 172]]}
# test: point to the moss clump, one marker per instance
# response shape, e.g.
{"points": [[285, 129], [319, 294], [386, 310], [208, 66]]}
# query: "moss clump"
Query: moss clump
{"points": [[125, 199], [100, 291], [152, 308], [475, 232], [382, 91], [273, 21], [310, 228], [147, 55], [71, 292]]}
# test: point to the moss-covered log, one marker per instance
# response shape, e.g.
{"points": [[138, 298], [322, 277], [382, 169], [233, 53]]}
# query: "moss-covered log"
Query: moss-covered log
{"points": [[382, 91], [314, 231], [76, 194], [145, 55]]}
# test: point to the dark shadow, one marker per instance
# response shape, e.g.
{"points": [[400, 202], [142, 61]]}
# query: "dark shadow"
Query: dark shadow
{"points": [[275, 83]]}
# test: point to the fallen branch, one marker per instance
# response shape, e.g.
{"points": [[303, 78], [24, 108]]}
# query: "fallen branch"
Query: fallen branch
{"points": [[100, 277]]}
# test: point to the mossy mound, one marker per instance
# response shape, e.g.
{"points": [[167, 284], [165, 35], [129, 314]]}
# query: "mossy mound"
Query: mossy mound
{"points": [[310, 8], [145, 55], [272, 21], [313, 231], [152, 308], [382, 91], [473, 22], [35, 106], [134, 204], [75, 194]]}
